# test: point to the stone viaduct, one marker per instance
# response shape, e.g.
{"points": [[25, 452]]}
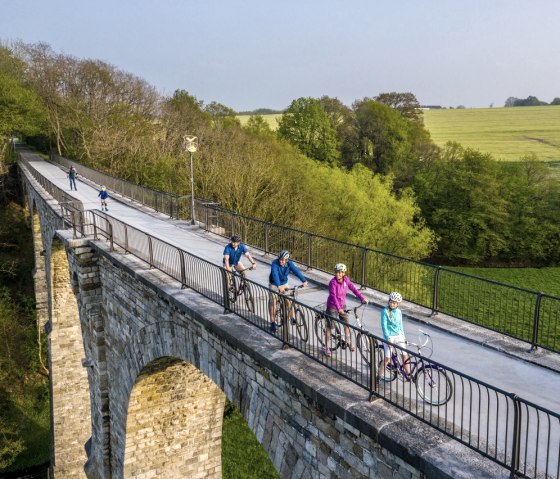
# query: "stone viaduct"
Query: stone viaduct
{"points": [[140, 370]]}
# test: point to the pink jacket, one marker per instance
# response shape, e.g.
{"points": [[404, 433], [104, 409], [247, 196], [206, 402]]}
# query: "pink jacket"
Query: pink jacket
{"points": [[338, 292]]}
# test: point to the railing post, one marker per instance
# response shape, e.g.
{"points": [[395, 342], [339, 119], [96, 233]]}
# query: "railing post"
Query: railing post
{"points": [[266, 243], [435, 295], [233, 223], [516, 439], [285, 323], [206, 215], [225, 292], [73, 213], [536, 318], [372, 369], [309, 244], [94, 227], [110, 236], [150, 251], [364, 270], [183, 269], [125, 240]]}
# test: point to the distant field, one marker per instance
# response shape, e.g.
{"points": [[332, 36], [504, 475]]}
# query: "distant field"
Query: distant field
{"points": [[506, 133], [272, 120]]}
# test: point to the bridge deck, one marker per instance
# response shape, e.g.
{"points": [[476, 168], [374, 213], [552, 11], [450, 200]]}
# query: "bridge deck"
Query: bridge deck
{"points": [[488, 356]]}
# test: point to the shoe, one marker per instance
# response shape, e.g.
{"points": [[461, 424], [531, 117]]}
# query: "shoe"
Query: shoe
{"points": [[273, 327], [294, 321], [328, 352]]}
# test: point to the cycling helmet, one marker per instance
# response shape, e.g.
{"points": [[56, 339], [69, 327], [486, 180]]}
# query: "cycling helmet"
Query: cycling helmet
{"points": [[394, 296], [103, 188], [284, 254], [340, 267], [236, 239]]}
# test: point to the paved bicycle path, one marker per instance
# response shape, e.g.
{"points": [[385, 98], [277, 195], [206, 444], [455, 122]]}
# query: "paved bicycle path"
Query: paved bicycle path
{"points": [[513, 372]]}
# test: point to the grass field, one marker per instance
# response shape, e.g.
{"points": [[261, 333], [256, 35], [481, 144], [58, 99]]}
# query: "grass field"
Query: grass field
{"points": [[506, 133]]}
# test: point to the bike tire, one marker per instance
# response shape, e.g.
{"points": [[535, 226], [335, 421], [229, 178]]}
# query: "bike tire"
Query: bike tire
{"points": [[249, 299], [364, 347], [320, 328], [301, 325], [390, 373], [432, 379], [279, 316]]}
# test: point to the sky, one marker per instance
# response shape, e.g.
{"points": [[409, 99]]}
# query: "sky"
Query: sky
{"points": [[249, 54]]}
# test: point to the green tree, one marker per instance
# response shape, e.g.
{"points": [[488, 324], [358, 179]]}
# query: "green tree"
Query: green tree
{"points": [[306, 126], [405, 103], [463, 200]]}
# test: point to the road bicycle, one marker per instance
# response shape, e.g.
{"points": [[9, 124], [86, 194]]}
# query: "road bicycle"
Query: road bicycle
{"points": [[294, 312], [239, 286], [338, 339], [432, 382]]}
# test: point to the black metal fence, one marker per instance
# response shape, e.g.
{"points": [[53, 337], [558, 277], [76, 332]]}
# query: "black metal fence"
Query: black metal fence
{"points": [[520, 313]]}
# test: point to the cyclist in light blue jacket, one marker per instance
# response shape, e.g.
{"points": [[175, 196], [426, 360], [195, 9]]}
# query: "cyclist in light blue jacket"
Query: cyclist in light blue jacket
{"points": [[393, 331]]}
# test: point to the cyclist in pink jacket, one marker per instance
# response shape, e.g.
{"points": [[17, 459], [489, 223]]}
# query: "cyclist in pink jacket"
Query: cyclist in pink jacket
{"points": [[336, 303]]}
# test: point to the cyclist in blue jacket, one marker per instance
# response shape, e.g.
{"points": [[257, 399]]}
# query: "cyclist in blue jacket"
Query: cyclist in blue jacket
{"points": [[232, 255], [280, 268], [393, 331]]}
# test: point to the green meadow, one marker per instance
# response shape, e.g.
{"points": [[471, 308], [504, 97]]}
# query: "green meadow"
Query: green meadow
{"points": [[507, 133]]}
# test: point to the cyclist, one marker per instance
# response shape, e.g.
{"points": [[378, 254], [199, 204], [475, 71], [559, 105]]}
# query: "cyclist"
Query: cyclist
{"points": [[393, 331], [280, 268], [232, 255], [336, 303]]}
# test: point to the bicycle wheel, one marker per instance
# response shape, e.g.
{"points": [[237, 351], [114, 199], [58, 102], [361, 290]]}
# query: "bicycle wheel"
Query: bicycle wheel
{"points": [[390, 373], [249, 300], [301, 325], [433, 385], [320, 328], [279, 316], [364, 347]]}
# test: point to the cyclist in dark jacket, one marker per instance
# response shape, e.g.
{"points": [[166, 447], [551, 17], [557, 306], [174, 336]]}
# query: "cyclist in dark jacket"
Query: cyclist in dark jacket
{"points": [[72, 175], [104, 194]]}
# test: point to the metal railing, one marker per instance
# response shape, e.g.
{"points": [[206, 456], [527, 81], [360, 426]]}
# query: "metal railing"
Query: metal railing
{"points": [[523, 314], [513, 432]]}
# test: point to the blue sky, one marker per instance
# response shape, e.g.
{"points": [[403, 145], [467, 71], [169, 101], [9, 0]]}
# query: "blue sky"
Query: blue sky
{"points": [[249, 54]]}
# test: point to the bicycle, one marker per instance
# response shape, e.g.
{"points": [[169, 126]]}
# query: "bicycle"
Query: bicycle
{"points": [[295, 313], [338, 340], [431, 381], [239, 286]]}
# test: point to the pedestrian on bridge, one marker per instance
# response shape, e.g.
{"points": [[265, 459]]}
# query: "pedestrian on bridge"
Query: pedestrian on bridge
{"points": [[72, 175], [104, 194]]}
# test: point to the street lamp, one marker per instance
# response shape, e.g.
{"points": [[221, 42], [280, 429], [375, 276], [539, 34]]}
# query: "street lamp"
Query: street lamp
{"points": [[191, 145]]}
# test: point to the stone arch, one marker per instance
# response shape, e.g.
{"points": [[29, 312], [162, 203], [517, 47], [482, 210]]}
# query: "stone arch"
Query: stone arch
{"points": [[70, 403], [174, 422]]}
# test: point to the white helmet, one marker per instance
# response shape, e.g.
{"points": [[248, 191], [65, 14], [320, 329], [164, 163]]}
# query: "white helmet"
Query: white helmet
{"points": [[284, 254], [340, 267], [394, 296]]}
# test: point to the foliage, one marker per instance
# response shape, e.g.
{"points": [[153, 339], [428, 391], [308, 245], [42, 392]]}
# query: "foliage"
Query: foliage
{"points": [[242, 455], [405, 103], [306, 126]]}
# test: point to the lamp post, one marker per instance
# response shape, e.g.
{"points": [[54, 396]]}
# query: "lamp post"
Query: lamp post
{"points": [[191, 145]]}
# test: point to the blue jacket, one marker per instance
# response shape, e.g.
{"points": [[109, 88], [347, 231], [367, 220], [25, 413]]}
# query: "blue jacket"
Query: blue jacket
{"points": [[391, 326], [279, 274], [235, 254], [103, 194]]}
